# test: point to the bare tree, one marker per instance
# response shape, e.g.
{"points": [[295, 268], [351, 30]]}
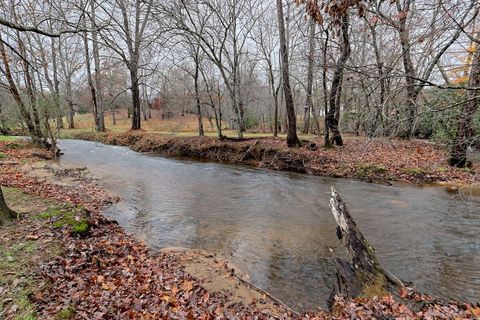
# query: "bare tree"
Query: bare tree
{"points": [[99, 108], [292, 138], [127, 36], [311, 64], [333, 116], [266, 37]]}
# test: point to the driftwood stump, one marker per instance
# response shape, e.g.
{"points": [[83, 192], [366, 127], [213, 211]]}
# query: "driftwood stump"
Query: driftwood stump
{"points": [[361, 275]]}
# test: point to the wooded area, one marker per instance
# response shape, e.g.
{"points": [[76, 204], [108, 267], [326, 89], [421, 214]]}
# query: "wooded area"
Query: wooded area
{"points": [[381, 91], [374, 68]]}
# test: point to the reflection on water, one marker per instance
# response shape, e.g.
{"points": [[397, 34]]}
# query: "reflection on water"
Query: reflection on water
{"points": [[277, 226]]}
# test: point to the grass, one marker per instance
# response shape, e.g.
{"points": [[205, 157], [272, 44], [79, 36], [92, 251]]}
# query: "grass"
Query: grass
{"points": [[7, 138], [180, 126], [18, 258], [23, 250], [66, 313]]}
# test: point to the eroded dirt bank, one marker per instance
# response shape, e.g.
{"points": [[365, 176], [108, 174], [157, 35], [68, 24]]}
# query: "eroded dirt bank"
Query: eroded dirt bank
{"points": [[375, 161], [62, 259]]}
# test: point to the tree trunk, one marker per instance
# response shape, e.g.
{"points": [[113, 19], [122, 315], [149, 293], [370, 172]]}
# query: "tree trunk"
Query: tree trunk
{"points": [[311, 53], [145, 102], [39, 137], [201, 132], [333, 116], [361, 275], [381, 78], [292, 138], [71, 111], [88, 66], [136, 105], [275, 118], [6, 214], [56, 82], [32, 127], [466, 130], [411, 104], [114, 116], [275, 91], [98, 77], [325, 88]]}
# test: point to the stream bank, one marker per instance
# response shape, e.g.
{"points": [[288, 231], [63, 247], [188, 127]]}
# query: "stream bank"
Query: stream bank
{"points": [[382, 160], [87, 266]]}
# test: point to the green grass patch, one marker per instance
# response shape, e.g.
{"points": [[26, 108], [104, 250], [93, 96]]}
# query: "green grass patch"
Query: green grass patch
{"points": [[66, 313], [71, 217], [7, 138], [17, 259], [22, 252], [3, 155]]}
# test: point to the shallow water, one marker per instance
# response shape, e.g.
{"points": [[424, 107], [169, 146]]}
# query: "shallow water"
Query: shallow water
{"points": [[277, 226]]}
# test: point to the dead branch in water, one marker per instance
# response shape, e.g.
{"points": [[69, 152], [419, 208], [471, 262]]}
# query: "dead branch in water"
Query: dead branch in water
{"points": [[362, 275]]}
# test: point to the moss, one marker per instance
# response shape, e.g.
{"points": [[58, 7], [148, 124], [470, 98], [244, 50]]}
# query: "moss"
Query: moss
{"points": [[81, 228], [366, 170], [66, 313], [72, 217], [375, 289], [50, 213], [467, 170], [414, 171]]}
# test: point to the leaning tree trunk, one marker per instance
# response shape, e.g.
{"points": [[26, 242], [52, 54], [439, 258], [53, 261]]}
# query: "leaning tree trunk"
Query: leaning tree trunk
{"points": [[6, 214], [466, 130], [361, 275]]}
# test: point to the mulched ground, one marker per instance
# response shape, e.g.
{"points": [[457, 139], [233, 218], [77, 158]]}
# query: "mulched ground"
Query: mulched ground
{"points": [[106, 274]]}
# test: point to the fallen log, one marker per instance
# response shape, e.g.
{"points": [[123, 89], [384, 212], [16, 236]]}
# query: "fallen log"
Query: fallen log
{"points": [[362, 275]]}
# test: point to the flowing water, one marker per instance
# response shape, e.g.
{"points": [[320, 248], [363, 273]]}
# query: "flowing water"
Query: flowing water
{"points": [[277, 226]]}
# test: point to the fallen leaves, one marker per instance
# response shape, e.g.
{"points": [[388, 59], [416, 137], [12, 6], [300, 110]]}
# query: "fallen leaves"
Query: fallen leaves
{"points": [[108, 275]]}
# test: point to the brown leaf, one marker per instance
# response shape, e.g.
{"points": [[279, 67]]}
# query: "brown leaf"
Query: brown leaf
{"points": [[187, 286]]}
